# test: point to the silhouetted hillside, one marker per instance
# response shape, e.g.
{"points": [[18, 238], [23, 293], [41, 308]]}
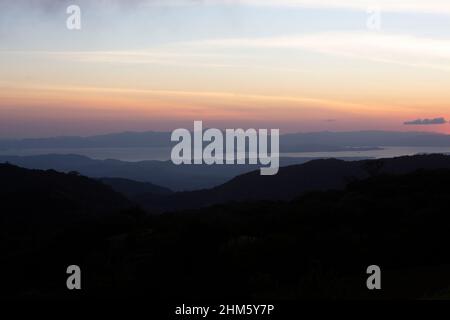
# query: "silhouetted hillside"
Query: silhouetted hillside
{"points": [[161, 173], [318, 245], [75, 191], [132, 188], [46, 213], [41, 202], [291, 181]]}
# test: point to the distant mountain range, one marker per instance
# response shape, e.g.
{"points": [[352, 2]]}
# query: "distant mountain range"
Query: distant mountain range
{"points": [[150, 183], [297, 142], [292, 181], [162, 173], [118, 140], [368, 139]]}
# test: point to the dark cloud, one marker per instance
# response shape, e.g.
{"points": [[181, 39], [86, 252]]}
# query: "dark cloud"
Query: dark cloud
{"points": [[422, 122]]}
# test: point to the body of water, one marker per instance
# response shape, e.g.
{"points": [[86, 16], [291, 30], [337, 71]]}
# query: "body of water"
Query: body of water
{"points": [[140, 154]]}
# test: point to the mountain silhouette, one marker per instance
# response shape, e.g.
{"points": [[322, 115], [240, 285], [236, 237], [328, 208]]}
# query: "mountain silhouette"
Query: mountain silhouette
{"points": [[117, 140], [161, 173], [312, 236], [131, 188], [291, 181], [294, 142], [47, 216], [83, 192], [318, 245], [37, 201]]}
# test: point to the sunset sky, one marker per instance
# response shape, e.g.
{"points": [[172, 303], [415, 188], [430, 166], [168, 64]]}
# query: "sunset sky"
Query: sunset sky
{"points": [[158, 65]]}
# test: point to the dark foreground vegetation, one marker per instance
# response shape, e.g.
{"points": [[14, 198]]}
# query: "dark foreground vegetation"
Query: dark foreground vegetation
{"points": [[315, 246]]}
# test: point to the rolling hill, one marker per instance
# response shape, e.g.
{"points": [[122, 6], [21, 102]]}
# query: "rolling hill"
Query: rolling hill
{"points": [[161, 173], [291, 181], [131, 188]]}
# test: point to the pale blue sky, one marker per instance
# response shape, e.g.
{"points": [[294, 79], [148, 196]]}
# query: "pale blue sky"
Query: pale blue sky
{"points": [[109, 26]]}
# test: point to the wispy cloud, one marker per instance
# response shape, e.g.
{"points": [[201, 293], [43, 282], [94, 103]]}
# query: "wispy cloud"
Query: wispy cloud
{"points": [[429, 6], [422, 122], [418, 6], [255, 101], [389, 48]]}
